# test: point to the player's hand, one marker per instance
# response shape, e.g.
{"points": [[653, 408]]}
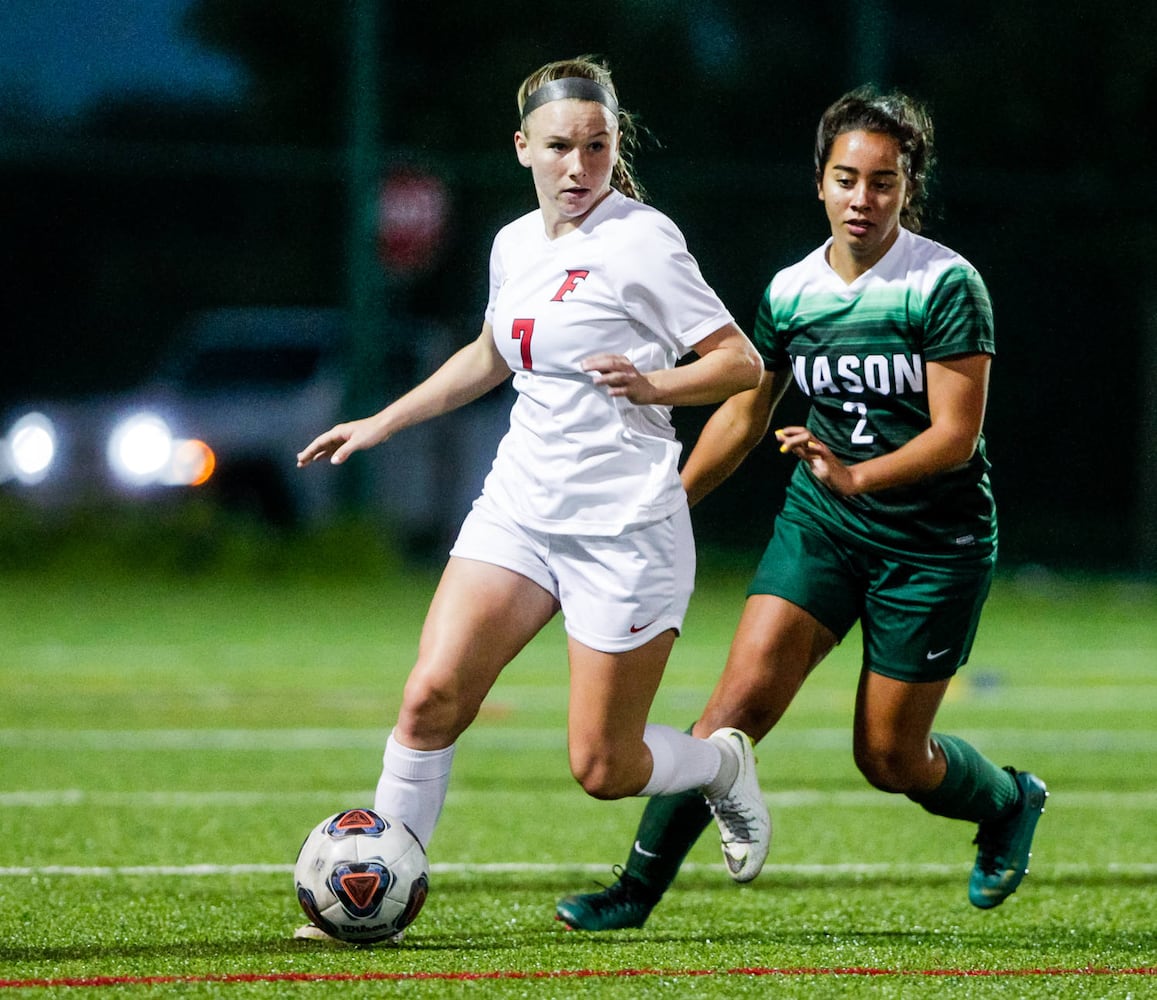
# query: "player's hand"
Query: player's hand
{"points": [[828, 469], [341, 441], [620, 377]]}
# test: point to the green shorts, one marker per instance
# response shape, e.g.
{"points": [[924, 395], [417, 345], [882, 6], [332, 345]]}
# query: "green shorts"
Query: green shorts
{"points": [[918, 623]]}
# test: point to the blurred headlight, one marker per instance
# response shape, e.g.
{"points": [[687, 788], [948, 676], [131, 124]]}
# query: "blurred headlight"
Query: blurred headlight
{"points": [[140, 449], [30, 447], [192, 464], [143, 452]]}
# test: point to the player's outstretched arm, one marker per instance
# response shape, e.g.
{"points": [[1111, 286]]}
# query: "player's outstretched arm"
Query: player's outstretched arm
{"points": [[468, 374]]}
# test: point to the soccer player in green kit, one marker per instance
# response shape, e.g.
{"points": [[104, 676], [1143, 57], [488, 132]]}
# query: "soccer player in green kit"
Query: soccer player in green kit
{"points": [[888, 519]]}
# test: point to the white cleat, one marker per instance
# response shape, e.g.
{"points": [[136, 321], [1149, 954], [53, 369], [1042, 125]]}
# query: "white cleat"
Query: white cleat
{"points": [[741, 812], [311, 932]]}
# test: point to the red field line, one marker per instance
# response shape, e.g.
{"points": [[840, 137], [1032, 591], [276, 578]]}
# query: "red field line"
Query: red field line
{"points": [[351, 977]]}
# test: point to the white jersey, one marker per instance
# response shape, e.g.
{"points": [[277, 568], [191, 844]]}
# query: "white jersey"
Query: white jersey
{"points": [[577, 460]]}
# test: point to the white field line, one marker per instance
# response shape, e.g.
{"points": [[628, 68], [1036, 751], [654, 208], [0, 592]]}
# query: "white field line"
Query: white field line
{"points": [[538, 868], [782, 799], [511, 738]]}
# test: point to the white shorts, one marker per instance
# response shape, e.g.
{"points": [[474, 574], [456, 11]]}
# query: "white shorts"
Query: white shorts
{"points": [[616, 592]]}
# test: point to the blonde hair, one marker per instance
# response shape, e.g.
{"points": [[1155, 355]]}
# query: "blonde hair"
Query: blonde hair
{"points": [[591, 68]]}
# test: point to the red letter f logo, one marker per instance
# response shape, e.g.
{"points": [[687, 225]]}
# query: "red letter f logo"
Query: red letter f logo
{"points": [[571, 283]]}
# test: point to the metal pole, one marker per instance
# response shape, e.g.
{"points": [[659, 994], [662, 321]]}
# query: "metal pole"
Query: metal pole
{"points": [[871, 42], [366, 281], [1146, 515]]}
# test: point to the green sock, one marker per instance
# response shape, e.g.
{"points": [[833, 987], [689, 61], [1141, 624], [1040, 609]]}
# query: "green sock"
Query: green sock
{"points": [[668, 830], [973, 788]]}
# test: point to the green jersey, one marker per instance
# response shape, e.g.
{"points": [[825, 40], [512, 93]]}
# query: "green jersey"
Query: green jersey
{"points": [[858, 352]]}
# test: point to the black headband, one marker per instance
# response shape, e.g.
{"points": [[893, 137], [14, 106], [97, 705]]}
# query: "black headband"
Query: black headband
{"points": [[571, 86]]}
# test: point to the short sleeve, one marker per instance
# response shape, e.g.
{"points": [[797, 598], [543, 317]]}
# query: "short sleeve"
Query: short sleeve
{"points": [[958, 316], [766, 337], [664, 290], [496, 279]]}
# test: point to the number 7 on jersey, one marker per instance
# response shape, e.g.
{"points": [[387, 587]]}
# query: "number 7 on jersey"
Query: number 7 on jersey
{"points": [[522, 331]]}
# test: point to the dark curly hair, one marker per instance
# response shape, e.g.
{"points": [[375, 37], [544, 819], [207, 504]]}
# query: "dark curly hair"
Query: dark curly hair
{"points": [[894, 114]]}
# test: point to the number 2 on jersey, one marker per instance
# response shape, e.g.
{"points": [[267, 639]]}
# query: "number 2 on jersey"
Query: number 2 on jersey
{"points": [[522, 331], [860, 434]]}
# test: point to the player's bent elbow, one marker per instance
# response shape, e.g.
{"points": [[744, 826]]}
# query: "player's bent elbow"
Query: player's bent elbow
{"points": [[752, 373], [960, 450]]}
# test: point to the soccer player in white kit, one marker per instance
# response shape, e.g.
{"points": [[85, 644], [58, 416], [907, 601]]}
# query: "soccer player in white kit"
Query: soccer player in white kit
{"points": [[593, 299]]}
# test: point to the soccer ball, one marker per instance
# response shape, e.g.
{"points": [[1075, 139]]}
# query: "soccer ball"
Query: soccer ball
{"points": [[361, 877]]}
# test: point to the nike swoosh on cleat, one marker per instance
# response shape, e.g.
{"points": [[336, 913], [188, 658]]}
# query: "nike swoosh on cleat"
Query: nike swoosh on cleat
{"points": [[735, 863]]}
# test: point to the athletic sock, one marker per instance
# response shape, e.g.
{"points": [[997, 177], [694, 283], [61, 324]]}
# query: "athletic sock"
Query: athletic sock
{"points": [[680, 761], [668, 830], [973, 788], [725, 776], [413, 786]]}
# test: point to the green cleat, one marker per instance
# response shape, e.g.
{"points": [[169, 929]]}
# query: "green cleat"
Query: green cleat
{"points": [[1003, 845], [626, 903]]}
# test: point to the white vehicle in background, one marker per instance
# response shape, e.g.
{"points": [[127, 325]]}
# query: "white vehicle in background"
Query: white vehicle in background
{"points": [[241, 391]]}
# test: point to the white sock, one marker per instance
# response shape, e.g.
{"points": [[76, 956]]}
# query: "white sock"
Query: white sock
{"points": [[413, 786], [728, 770], [681, 761]]}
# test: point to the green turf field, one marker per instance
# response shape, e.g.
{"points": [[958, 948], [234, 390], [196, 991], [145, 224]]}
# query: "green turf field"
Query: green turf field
{"points": [[166, 741]]}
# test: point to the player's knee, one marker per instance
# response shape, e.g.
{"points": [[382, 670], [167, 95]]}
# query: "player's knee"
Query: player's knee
{"points": [[432, 710], [887, 768], [600, 775]]}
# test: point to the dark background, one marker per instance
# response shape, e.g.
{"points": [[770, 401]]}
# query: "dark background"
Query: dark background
{"points": [[145, 201]]}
